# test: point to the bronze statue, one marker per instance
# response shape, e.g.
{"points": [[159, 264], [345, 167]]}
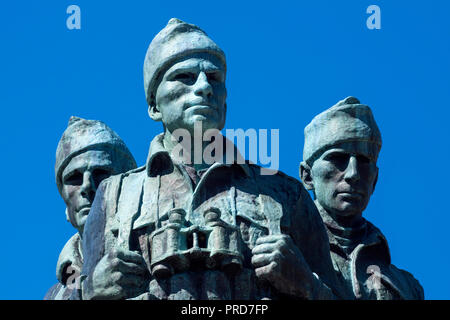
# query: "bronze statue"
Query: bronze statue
{"points": [[340, 167], [180, 229], [88, 152]]}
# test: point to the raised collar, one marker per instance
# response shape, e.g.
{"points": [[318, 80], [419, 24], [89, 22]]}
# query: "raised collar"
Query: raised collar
{"points": [[158, 159], [160, 162], [371, 235], [70, 255]]}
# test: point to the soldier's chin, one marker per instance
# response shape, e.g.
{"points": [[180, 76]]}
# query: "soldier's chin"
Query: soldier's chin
{"points": [[205, 123], [82, 215], [81, 223], [348, 209], [84, 212]]}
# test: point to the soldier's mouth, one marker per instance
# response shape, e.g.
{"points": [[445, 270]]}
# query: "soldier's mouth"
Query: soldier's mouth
{"points": [[203, 107], [202, 104], [350, 191], [351, 195], [85, 210]]}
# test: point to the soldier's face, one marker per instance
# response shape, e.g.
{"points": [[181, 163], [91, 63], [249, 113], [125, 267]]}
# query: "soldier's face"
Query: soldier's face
{"points": [[344, 178], [191, 90], [80, 180]]}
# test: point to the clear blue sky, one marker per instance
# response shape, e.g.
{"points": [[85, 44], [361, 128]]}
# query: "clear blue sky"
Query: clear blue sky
{"points": [[287, 61]]}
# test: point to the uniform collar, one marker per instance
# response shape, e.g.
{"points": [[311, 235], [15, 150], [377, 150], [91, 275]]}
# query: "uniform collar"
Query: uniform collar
{"points": [[371, 235], [160, 162], [70, 255]]}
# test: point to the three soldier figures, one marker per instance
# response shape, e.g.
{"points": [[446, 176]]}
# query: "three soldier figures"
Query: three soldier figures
{"points": [[182, 229]]}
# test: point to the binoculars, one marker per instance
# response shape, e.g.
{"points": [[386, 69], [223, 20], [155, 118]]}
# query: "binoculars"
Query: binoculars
{"points": [[177, 247]]}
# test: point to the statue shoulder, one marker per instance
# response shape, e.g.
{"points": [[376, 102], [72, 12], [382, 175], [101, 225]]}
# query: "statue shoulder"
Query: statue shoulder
{"points": [[54, 292], [412, 285], [289, 192], [103, 213], [116, 179], [139, 170], [276, 179], [70, 256], [111, 186]]}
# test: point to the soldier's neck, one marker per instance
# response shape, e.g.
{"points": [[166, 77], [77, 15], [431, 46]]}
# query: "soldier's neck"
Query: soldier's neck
{"points": [[188, 156], [348, 232], [344, 222]]}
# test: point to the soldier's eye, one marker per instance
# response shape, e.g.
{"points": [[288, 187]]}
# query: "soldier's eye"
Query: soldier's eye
{"points": [[363, 160], [337, 157], [99, 175], [185, 77], [214, 76], [74, 178], [340, 160]]}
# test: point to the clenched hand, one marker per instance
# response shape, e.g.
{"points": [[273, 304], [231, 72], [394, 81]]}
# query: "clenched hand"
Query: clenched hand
{"points": [[120, 274], [278, 261]]}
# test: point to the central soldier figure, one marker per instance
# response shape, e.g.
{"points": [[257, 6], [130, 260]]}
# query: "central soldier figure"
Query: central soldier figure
{"points": [[174, 229]]}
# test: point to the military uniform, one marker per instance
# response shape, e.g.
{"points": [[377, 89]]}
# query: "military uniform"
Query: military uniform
{"points": [[362, 261], [81, 135], [130, 208], [68, 268], [360, 253]]}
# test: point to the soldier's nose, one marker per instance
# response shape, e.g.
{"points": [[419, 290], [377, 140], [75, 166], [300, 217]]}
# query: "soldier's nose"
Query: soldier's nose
{"points": [[202, 86], [351, 172], [88, 186]]}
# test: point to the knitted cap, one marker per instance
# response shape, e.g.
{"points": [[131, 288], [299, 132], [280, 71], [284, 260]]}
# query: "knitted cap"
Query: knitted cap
{"points": [[82, 135], [346, 121], [176, 40]]}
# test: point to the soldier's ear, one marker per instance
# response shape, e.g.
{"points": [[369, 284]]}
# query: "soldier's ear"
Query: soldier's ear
{"points": [[375, 182], [305, 175], [67, 215], [153, 111]]}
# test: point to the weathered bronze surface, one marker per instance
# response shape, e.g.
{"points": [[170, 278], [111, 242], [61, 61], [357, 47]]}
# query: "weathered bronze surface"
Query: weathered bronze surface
{"points": [[88, 152], [177, 229], [340, 166]]}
